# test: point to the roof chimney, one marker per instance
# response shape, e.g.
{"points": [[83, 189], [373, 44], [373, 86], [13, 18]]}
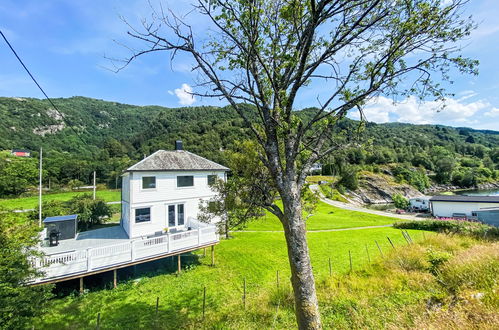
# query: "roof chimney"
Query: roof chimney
{"points": [[178, 145]]}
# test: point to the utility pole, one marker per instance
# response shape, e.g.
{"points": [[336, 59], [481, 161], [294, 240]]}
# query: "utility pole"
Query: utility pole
{"points": [[94, 185], [40, 191]]}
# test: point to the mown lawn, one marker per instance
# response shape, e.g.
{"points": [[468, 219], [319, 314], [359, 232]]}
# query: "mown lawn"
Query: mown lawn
{"points": [[24, 203], [326, 217], [254, 256]]}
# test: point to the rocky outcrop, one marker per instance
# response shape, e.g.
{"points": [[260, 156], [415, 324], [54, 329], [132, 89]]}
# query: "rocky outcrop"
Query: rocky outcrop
{"points": [[437, 188], [379, 189]]}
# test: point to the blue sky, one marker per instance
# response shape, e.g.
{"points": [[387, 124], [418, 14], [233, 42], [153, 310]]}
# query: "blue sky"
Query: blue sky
{"points": [[65, 42]]}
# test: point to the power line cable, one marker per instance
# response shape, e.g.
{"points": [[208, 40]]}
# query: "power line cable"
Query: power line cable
{"points": [[41, 89]]}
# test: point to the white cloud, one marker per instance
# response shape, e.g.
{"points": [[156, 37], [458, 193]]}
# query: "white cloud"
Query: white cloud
{"points": [[382, 110], [494, 112], [184, 94]]}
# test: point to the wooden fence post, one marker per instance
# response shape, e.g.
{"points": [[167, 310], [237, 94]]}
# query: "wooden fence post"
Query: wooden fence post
{"points": [[204, 301], [98, 321], [115, 278], [213, 255], [179, 265], [368, 257], [81, 285], [244, 293], [380, 252]]}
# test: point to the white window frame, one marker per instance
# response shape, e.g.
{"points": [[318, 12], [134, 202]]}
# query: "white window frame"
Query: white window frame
{"points": [[187, 187], [142, 183], [176, 226], [142, 222]]}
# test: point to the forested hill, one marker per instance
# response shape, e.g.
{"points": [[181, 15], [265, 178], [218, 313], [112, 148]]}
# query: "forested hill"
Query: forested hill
{"points": [[108, 136]]}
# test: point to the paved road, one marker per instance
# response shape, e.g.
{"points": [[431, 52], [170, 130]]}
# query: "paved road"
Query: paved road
{"points": [[351, 207]]}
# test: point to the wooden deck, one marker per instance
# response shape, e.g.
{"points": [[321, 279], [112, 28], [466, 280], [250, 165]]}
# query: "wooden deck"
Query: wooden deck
{"points": [[107, 249]]}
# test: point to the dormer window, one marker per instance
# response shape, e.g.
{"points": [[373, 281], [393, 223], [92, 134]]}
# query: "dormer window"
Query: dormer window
{"points": [[148, 182], [185, 181]]}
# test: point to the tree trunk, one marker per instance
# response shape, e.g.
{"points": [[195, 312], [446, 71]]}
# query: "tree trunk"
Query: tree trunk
{"points": [[302, 277]]}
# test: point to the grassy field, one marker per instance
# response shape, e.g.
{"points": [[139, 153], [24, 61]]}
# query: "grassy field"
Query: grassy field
{"points": [[24, 203], [326, 217], [392, 291]]}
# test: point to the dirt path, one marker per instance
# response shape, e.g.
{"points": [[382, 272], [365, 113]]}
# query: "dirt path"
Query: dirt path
{"points": [[312, 231]]}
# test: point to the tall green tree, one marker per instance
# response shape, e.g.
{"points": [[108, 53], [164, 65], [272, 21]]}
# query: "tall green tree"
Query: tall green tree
{"points": [[267, 52], [19, 303]]}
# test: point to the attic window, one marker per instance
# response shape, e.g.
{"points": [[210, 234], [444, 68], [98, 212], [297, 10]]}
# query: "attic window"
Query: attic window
{"points": [[148, 182], [185, 181]]}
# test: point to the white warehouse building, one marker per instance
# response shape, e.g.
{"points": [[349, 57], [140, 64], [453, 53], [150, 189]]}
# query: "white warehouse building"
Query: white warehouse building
{"points": [[462, 206]]}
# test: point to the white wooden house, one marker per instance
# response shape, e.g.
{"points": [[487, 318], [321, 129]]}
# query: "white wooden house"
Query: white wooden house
{"points": [[160, 204], [161, 192]]}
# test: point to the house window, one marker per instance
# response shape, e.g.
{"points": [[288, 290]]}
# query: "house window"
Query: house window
{"points": [[185, 181], [212, 179], [474, 214], [176, 215], [171, 215], [143, 215], [180, 214], [148, 182]]}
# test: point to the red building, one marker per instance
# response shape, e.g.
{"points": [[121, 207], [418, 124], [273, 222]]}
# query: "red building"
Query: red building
{"points": [[21, 153]]}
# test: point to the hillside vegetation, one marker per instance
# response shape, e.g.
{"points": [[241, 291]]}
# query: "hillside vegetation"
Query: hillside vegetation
{"points": [[108, 137]]}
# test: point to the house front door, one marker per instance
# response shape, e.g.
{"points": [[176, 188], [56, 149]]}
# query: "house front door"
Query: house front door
{"points": [[176, 215]]}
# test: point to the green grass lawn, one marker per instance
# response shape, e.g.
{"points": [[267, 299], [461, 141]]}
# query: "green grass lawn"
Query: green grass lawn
{"points": [[32, 202], [254, 256], [326, 217]]}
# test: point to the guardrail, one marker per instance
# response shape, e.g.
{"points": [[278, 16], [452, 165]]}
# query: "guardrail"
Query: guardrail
{"points": [[91, 259]]}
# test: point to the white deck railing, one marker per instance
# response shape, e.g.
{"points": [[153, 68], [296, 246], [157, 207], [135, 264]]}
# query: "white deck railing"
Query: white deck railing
{"points": [[91, 259]]}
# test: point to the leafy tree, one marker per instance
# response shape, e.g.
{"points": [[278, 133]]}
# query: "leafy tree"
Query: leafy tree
{"points": [[349, 178], [470, 139], [75, 184], [400, 201], [19, 303], [265, 52], [90, 212], [443, 169], [235, 203], [17, 174]]}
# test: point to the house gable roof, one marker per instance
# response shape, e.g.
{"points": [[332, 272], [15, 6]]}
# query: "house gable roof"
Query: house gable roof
{"points": [[475, 199], [178, 160]]}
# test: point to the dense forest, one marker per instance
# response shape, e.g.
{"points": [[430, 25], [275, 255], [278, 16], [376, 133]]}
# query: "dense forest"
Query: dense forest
{"points": [[107, 137]]}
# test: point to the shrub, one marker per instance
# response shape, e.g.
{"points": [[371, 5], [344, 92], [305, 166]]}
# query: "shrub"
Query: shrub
{"points": [[474, 229], [400, 201]]}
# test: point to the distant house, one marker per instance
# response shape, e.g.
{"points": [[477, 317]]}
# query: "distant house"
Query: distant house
{"points": [[164, 190], [462, 206], [316, 168], [20, 153]]}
